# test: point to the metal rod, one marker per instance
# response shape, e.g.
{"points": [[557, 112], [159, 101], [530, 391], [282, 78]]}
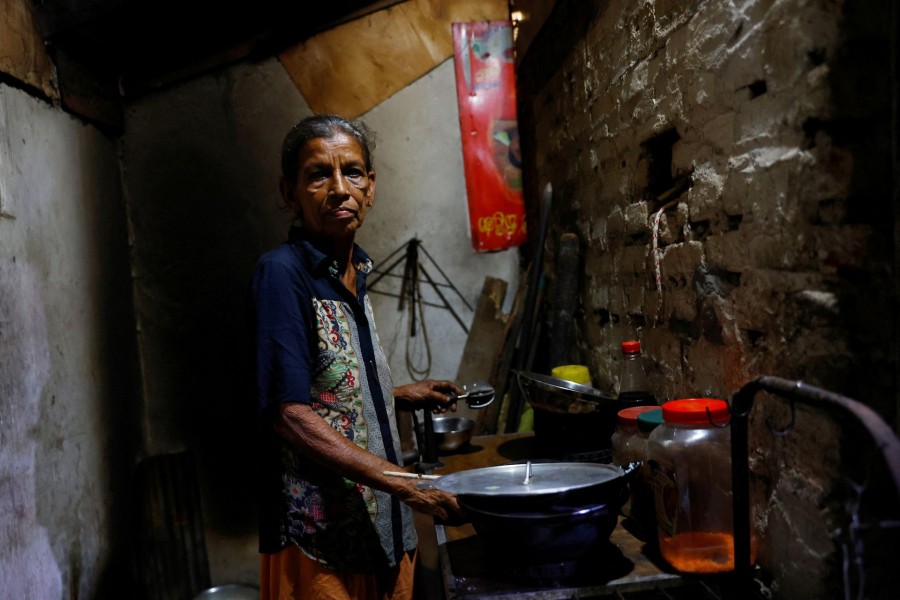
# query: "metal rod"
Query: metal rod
{"points": [[409, 475], [395, 276], [386, 271], [423, 302], [444, 298], [447, 279], [429, 455]]}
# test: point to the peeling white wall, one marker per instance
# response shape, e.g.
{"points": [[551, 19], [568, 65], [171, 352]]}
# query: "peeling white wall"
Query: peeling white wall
{"points": [[67, 435]]}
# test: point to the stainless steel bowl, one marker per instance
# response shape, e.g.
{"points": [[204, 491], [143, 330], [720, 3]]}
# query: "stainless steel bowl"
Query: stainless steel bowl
{"points": [[450, 433]]}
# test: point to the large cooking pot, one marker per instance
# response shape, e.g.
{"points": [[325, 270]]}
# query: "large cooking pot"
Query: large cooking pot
{"points": [[537, 486], [552, 535], [541, 513]]}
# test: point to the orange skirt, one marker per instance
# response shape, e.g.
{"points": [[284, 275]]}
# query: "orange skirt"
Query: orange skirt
{"points": [[292, 575]]}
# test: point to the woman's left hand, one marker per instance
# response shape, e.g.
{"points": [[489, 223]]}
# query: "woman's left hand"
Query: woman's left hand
{"points": [[437, 394]]}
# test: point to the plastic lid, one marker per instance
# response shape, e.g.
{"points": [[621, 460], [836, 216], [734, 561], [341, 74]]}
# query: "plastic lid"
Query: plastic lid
{"points": [[631, 346], [573, 373], [650, 420], [693, 411], [628, 417]]}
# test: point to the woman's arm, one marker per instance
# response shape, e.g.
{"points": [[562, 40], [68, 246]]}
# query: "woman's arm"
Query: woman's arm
{"points": [[316, 440]]}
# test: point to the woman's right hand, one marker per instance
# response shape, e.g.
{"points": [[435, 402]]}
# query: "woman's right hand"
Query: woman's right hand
{"points": [[432, 501]]}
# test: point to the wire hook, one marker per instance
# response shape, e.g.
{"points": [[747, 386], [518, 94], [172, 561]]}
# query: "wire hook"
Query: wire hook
{"points": [[722, 425]]}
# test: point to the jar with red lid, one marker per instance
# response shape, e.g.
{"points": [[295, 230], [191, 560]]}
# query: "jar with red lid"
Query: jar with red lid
{"points": [[623, 451], [642, 507], [626, 429], [690, 463]]}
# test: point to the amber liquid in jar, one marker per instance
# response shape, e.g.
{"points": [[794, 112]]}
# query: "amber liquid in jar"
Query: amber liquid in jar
{"points": [[690, 461], [699, 551]]}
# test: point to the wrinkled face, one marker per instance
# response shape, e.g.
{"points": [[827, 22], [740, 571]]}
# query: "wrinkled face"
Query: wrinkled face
{"points": [[333, 190]]}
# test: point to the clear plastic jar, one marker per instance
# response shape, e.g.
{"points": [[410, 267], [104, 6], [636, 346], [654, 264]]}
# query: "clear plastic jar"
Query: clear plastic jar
{"points": [[624, 450], [690, 463], [626, 430], [642, 511]]}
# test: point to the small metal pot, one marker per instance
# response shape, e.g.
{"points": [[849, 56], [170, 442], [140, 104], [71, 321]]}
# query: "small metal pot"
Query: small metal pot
{"points": [[450, 433]]}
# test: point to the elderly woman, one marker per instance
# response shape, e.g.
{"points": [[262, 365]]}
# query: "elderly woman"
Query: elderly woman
{"points": [[332, 524]]}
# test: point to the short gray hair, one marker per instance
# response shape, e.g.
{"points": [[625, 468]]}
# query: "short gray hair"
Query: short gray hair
{"points": [[322, 126]]}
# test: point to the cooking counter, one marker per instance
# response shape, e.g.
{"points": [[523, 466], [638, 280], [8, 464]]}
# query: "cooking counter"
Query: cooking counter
{"points": [[626, 565]]}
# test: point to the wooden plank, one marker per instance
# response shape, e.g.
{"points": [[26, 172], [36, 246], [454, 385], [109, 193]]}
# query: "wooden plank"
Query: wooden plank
{"points": [[22, 51], [485, 341], [490, 418], [352, 68]]}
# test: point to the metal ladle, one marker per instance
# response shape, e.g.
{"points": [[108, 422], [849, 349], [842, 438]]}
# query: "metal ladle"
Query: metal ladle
{"points": [[477, 394]]}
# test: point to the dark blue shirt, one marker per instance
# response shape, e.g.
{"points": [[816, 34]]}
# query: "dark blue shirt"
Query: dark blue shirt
{"points": [[316, 344]]}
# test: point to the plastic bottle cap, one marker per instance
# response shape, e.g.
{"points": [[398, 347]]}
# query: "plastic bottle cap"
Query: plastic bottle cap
{"points": [[696, 411], [628, 417], [574, 373], [649, 420], [631, 347]]}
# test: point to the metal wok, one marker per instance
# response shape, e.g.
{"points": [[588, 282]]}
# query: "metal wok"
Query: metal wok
{"points": [[560, 396]]}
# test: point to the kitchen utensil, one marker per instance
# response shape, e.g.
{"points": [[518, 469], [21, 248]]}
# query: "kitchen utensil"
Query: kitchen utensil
{"points": [[408, 475], [450, 433], [552, 535], [536, 486], [560, 396], [477, 394]]}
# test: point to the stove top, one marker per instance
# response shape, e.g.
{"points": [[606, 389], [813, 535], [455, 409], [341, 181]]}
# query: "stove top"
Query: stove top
{"points": [[471, 572], [598, 567]]}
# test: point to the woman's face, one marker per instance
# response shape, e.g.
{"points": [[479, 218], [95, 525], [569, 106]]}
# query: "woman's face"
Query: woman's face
{"points": [[333, 190]]}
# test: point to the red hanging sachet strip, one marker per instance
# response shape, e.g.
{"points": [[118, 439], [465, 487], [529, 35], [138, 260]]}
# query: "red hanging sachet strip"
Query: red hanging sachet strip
{"points": [[486, 93]]}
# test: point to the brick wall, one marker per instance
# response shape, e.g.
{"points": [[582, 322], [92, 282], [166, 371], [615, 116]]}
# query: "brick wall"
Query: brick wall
{"points": [[762, 132]]}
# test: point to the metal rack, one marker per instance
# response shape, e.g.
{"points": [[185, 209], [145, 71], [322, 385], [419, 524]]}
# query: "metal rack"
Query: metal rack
{"points": [[853, 543]]}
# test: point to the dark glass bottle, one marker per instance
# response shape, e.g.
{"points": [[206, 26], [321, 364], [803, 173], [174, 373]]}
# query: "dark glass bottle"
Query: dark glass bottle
{"points": [[634, 387]]}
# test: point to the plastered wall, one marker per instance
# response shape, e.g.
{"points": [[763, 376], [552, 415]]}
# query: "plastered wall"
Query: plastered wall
{"points": [[69, 430], [758, 133]]}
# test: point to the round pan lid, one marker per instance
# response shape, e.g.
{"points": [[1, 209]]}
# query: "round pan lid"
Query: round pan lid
{"points": [[510, 480]]}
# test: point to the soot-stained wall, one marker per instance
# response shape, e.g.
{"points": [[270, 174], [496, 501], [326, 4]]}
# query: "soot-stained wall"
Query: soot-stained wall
{"points": [[727, 168]]}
